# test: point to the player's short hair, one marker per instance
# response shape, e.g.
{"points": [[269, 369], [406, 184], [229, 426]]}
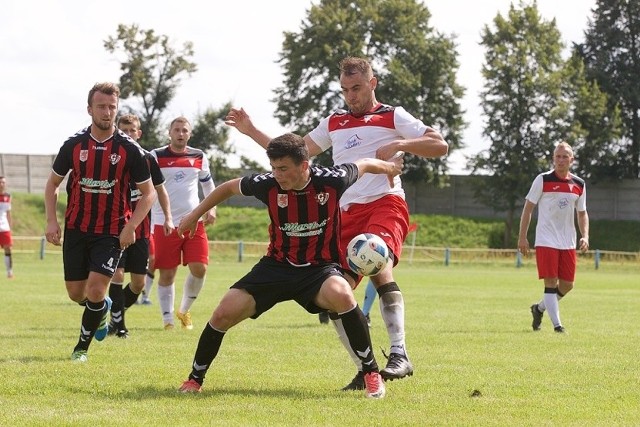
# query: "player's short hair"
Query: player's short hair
{"points": [[129, 119], [288, 145], [107, 88], [565, 146], [180, 119], [352, 65]]}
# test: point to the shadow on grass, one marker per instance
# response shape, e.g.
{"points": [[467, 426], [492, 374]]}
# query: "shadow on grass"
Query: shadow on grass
{"points": [[153, 393]]}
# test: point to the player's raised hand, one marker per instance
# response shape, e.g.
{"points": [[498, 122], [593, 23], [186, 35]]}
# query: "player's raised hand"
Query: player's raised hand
{"points": [[239, 119]]}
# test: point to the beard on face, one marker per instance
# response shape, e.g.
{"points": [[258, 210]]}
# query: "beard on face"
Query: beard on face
{"points": [[102, 125]]}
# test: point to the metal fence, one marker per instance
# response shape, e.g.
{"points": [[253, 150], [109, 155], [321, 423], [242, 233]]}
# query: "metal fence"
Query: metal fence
{"points": [[605, 200], [239, 251]]}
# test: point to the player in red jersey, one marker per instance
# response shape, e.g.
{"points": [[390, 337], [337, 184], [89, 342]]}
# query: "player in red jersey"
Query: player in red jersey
{"points": [[300, 264], [369, 129], [101, 164]]}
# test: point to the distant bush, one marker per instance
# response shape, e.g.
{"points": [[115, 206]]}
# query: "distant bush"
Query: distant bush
{"points": [[251, 225]]}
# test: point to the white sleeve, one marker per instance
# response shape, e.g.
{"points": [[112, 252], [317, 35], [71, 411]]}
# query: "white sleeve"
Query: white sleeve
{"points": [[408, 126], [207, 186], [320, 135], [581, 204], [535, 192]]}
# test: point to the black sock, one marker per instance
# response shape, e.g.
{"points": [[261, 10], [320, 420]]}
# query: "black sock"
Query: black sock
{"points": [[208, 347], [130, 298], [355, 326], [117, 304], [90, 321]]}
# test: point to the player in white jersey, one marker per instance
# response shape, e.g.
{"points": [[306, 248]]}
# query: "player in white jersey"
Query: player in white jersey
{"points": [[557, 193], [369, 129], [184, 168], [6, 240]]}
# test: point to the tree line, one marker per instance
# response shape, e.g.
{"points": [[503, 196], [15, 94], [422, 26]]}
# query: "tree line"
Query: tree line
{"points": [[531, 99]]}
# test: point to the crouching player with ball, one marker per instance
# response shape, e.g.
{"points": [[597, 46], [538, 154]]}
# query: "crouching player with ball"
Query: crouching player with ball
{"points": [[300, 264]]}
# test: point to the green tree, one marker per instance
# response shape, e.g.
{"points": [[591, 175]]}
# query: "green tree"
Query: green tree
{"points": [[593, 129], [211, 135], [611, 52], [415, 65], [152, 71], [520, 101]]}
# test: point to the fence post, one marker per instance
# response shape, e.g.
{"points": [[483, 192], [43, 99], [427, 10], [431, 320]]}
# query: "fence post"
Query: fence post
{"points": [[42, 242], [597, 258], [240, 250], [518, 259], [447, 254]]}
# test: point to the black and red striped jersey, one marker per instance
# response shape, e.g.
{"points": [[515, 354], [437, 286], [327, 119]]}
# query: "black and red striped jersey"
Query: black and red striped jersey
{"points": [[144, 229], [100, 174], [305, 223]]}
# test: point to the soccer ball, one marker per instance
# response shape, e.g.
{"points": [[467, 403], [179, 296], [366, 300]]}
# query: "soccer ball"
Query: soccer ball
{"points": [[367, 254]]}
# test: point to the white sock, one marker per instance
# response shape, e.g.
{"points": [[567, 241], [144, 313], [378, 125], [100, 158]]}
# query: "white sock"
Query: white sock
{"points": [[148, 283], [392, 310], [166, 297], [192, 287], [551, 302], [7, 262], [542, 307], [337, 323]]}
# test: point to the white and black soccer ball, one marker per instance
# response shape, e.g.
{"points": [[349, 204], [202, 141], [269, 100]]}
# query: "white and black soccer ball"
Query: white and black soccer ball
{"points": [[367, 254]]}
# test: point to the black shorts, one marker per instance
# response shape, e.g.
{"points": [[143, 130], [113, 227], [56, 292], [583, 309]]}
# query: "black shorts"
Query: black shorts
{"points": [[83, 252], [135, 259], [270, 282]]}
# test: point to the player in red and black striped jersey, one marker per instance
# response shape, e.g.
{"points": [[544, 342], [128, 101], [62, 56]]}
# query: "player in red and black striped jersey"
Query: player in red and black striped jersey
{"points": [[301, 263], [558, 195], [135, 259], [101, 164]]}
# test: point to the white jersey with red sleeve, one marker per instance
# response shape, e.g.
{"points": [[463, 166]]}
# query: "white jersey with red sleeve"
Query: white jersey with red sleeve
{"points": [[354, 138], [182, 173], [5, 206], [557, 201]]}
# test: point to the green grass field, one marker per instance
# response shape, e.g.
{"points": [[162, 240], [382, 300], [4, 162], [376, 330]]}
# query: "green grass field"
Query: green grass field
{"points": [[468, 329]]}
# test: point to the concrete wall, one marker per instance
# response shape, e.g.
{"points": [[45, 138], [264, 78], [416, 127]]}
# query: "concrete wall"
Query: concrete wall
{"points": [[614, 201]]}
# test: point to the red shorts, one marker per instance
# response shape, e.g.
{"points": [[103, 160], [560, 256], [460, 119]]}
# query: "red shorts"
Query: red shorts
{"points": [[560, 263], [174, 250], [152, 245], [5, 239], [387, 217]]}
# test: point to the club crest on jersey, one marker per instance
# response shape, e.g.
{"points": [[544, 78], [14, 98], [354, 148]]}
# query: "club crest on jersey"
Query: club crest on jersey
{"points": [[84, 155], [283, 200], [114, 158], [322, 198]]}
